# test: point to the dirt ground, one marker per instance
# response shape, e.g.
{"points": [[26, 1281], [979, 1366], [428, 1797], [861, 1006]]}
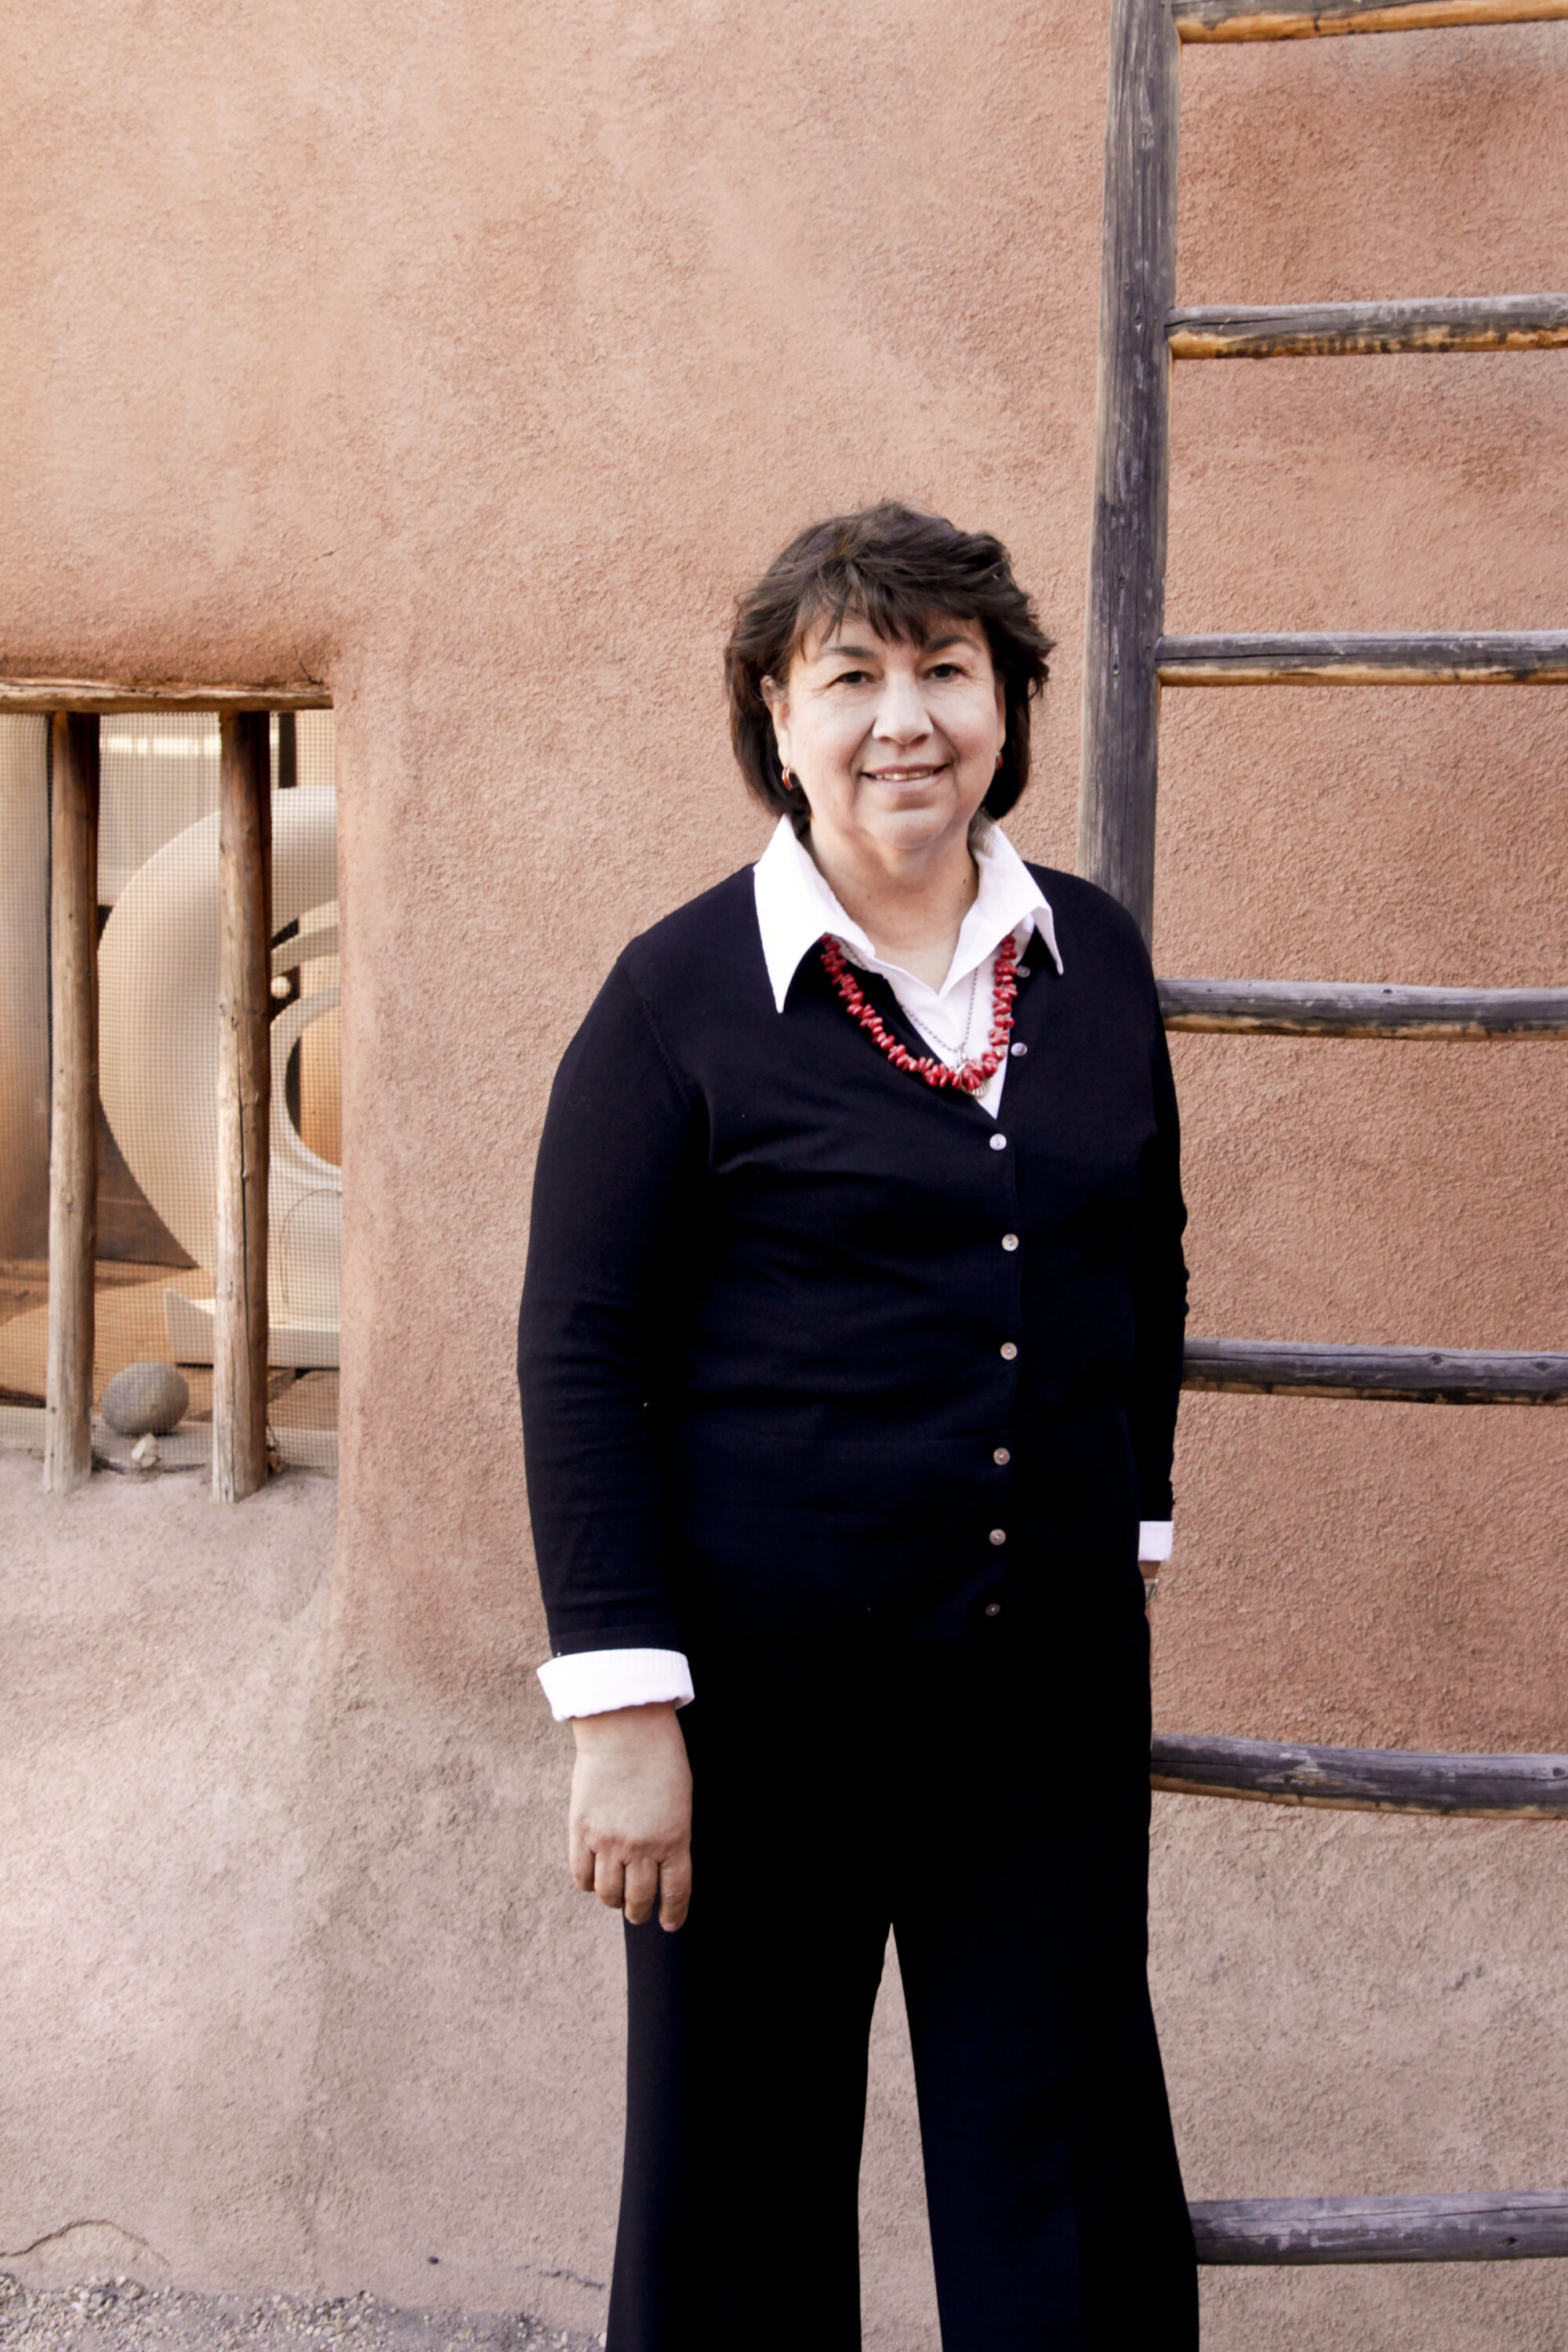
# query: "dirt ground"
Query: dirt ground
{"points": [[120, 2315]]}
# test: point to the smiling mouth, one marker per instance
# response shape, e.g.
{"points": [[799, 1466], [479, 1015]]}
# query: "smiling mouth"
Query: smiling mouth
{"points": [[920, 775]]}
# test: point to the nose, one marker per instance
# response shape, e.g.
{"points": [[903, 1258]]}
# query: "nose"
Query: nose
{"points": [[901, 716]]}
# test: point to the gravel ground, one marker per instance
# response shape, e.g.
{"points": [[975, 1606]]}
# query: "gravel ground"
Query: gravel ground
{"points": [[118, 2316]]}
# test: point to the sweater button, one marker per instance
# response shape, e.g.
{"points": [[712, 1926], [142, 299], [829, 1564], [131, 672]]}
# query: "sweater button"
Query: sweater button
{"points": [[1020, 1049], [1009, 1241], [993, 1608], [998, 1143], [1009, 1350], [998, 1535], [1002, 1457], [1020, 972]]}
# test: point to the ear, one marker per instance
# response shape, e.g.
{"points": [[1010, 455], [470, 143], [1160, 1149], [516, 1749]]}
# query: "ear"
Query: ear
{"points": [[778, 699], [1001, 713]]}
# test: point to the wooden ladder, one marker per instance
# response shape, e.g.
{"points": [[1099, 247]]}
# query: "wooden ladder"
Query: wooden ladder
{"points": [[1127, 660]]}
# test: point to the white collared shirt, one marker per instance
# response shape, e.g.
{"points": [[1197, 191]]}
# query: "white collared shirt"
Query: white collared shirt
{"points": [[795, 909]]}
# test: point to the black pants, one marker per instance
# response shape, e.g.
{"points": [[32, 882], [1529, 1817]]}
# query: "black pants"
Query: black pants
{"points": [[988, 1802]]}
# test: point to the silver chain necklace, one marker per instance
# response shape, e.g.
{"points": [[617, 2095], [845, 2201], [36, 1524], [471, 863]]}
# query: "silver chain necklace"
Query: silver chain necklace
{"points": [[952, 1055]]}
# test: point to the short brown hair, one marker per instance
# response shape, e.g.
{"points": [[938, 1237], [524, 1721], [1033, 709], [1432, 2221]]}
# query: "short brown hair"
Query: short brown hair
{"points": [[902, 570]]}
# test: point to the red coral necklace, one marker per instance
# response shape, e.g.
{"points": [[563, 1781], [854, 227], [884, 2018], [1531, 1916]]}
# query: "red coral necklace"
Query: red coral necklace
{"points": [[970, 1077]]}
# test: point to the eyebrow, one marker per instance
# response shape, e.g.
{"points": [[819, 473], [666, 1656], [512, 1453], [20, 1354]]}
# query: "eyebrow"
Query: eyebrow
{"points": [[865, 653]]}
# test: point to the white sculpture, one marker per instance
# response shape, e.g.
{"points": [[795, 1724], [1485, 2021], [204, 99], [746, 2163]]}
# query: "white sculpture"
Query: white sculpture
{"points": [[158, 1044]]}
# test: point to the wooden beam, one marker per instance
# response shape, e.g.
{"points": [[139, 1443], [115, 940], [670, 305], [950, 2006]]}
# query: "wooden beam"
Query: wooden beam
{"points": [[1454, 657], [73, 1129], [1297, 1008], [1501, 322], [245, 1090], [1508, 2226], [111, 696], [1120, 757], [1362, 1779], [1295, 20], [1376, 1375]]}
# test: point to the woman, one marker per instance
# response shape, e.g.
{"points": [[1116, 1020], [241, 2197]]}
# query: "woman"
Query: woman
{"points": [[850, 1350]]}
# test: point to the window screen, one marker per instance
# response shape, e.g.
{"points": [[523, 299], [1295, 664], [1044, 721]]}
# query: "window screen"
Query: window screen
{"points": [[158, 973]]}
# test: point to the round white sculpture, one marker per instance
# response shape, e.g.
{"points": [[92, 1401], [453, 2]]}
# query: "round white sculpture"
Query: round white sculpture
{"points": [[158, 1046]]}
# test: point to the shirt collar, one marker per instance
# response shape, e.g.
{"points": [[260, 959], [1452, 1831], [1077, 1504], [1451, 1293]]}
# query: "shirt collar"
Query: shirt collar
{"points": [[795, 906]]}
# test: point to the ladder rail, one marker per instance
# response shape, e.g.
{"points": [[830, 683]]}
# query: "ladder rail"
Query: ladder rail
{"points": [[1127, 549]]}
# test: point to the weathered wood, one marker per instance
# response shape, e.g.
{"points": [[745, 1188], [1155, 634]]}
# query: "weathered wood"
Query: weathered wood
{"points": [[73, 1128], [112, 697], [244, 1086], [1509, 2226], [1294, 20], [1454, 657], [1380, 1375], [1119, 772], [1362, 1779], [1501, 323], [1301, 1008]]}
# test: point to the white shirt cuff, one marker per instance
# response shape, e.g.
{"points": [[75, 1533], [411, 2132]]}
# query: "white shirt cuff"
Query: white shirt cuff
{"points": [[1155, 1537], [596, 1682]]}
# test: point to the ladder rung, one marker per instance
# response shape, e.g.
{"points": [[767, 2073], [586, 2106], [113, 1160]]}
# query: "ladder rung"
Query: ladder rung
{"points": [[1509, 2226], [1456, 657], [1361, 1780], [1380, 1375], [1311, 1008], [1294, 20], [1501, 322]]}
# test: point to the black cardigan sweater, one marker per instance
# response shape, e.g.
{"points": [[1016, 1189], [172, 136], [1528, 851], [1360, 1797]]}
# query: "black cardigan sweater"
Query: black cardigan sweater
{"points": [[784, 1372]]}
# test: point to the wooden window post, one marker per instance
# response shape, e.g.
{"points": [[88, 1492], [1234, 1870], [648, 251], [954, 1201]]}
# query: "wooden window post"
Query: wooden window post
{"points": [[73, 1128], [1127, 554], [244, 1105]]}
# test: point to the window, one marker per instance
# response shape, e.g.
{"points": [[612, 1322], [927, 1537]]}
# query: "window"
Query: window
{"points": [[161, 1144]]}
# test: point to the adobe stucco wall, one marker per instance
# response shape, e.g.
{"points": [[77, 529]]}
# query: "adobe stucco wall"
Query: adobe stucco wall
{"points": [[469, 357]]}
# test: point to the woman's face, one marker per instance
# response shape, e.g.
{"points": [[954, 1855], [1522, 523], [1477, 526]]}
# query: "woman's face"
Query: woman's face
{"points": [[894, 745]]}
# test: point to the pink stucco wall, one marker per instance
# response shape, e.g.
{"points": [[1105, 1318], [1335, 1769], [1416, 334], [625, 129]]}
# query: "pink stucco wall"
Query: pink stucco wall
{"points": [[469, 356]]}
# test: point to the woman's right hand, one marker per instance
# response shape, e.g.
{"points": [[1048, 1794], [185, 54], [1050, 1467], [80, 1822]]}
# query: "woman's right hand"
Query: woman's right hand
{"points": [[631, 1812]]}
